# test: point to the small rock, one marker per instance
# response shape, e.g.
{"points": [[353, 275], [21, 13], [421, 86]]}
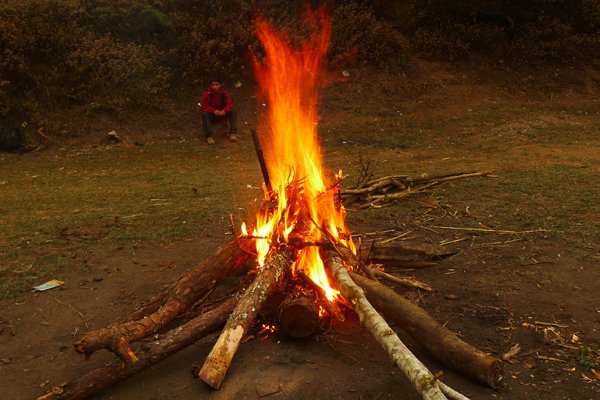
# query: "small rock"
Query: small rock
{"points": [[451, 297], [45, 323], [5, 360]]}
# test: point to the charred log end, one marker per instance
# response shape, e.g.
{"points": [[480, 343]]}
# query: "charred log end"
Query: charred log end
{"points": [[496, 372], [299, 317]]}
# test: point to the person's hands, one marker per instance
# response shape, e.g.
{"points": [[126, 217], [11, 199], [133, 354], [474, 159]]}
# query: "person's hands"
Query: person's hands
{"points": [[220, 113]]}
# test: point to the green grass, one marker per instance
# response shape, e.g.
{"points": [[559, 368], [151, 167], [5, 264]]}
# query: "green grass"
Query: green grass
{"points": [[61, 202], [60, 207], [555, 197]]}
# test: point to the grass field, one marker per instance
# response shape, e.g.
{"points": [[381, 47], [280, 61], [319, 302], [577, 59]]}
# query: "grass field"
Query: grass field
{"points": [[64, 203]]}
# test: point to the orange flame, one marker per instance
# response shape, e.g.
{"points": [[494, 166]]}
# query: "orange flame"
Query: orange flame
{"points": [[289, 80]]}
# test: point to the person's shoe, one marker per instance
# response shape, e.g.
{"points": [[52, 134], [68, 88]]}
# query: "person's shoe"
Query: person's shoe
{"points": [[210, 140], [233, 137]]}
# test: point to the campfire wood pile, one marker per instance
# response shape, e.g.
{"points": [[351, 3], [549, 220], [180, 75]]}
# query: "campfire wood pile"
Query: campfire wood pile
{"points": [[238, 313]]}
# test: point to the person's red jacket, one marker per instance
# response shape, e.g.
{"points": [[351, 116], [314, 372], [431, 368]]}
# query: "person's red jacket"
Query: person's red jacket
{"points": [[212, 101]]}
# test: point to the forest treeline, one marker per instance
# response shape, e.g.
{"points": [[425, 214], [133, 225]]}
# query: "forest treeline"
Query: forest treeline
{"points": [[116, 55]]}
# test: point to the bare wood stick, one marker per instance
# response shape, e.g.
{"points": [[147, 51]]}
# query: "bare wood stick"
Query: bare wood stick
{"points": [[387, 178], [423, 380], [74, 310], [435, 338], [452, 177], [190, 287], [404, 193], [488, 230], [218, 361], [407, 250], [405, 281], [374, 187], [153, 352], [261, 160]]}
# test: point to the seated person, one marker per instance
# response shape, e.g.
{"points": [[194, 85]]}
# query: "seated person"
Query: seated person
{"points": [[217, 105]]}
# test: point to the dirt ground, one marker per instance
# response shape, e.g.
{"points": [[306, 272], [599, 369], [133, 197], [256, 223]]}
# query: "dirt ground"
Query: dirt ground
{"points": [[498, 291]]}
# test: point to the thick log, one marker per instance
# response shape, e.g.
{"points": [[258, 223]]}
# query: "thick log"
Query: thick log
{"points": [[190, 287], [437, 340], [267, 279], [299, 316], [152, 352], [423, 380], [332, 309]]}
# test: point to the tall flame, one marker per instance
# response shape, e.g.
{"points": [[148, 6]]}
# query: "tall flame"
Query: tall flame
{"points": [[289, 80]]}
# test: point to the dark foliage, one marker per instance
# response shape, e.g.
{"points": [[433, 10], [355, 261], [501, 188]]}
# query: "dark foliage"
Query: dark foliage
{"points": [[529, 30], [116, 55]]}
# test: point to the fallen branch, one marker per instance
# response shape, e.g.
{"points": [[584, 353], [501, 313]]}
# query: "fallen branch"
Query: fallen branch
{"points": [[405, 281], [406, 251], [436, 339], [190, 287], [218, 361], [152, 352], [423, 380]]}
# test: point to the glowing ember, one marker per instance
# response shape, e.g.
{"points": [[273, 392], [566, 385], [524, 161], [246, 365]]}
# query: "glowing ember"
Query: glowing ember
{"points": [[302, 206]]}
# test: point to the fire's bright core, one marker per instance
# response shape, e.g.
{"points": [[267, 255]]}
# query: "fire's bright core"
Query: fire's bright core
{"points": [[302, 206]]}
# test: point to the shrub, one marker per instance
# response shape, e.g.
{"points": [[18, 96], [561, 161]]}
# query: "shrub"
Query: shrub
{"points": [[559, 30], [355, 26], [116, 74], [55, 50], [212, 40]]}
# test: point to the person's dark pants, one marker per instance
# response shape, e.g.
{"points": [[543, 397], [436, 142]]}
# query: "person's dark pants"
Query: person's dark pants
{"points": [[209, 118]]}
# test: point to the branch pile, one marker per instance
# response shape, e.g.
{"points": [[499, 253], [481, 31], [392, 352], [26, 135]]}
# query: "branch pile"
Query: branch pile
{"points": [[380, 192]]}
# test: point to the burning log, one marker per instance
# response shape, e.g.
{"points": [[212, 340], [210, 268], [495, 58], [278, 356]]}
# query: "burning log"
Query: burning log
{"points": [[436, 339], [423, 380], [190, 287], [267, 279], [331, 308], [299, 316], [152, 352]]}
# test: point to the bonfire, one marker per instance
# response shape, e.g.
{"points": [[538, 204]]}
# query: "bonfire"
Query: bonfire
{"points": [[305, 262]]}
